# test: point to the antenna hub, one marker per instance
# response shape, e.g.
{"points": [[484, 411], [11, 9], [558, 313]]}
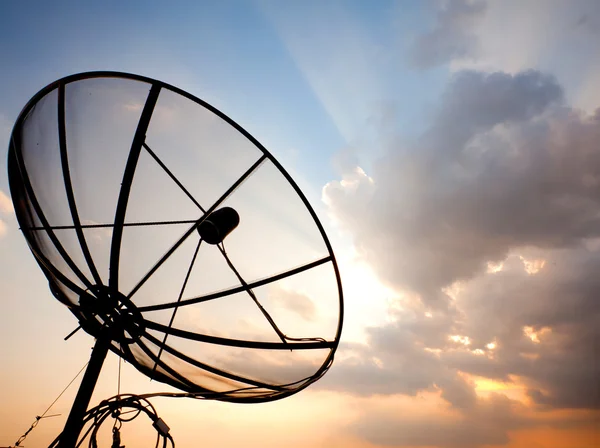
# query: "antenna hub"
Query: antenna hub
{"points": [[108, 313]]}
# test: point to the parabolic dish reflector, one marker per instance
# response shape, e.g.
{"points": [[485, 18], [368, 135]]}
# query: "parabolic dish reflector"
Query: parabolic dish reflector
{"points": [[119, 184]]}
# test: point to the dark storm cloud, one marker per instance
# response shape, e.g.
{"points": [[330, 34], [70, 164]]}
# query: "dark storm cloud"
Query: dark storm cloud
{"points": [[451, 36]]}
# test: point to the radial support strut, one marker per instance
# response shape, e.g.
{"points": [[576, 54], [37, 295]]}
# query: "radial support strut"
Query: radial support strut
{"points": [[74, 425]]}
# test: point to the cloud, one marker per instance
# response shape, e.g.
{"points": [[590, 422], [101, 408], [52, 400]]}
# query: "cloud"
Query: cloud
{"points": [[6, 206], [554, 36], [488, 422], [415, 354], [452, 35], [403, 357], [294, 301], [487, 227], [546, 327], [480, 180]]}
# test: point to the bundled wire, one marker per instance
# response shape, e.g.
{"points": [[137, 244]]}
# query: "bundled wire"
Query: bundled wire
{"points": [[123, 409], [127, 407]]}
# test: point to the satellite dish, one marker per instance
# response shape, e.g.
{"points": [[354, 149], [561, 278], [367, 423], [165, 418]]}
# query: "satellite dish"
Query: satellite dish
{"points": [[176, 239]]}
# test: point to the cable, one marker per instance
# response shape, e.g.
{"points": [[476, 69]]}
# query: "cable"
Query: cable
{"points": [[118, 388], [119, 378], [251, 294], [65, 389], [39, 417], [284, 338], [138, 404], [115, 407], [185, 281]]}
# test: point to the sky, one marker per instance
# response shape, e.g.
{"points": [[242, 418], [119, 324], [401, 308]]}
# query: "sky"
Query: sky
{"points": [[450, 149]]}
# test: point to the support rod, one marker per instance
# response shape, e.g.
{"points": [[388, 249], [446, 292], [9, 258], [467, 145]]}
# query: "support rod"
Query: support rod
{"points": [[73, 427]]}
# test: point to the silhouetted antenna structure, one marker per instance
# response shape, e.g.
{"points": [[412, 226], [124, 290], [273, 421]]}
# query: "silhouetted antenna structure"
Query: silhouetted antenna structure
{"points": [[129, 191]]}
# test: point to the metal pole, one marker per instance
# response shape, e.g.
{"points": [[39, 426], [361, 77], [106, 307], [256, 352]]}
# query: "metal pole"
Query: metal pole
{"points": [[74, 425]]}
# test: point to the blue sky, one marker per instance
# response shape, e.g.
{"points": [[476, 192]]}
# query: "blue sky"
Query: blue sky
{"points": [[450, 148], [246, 57]]}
